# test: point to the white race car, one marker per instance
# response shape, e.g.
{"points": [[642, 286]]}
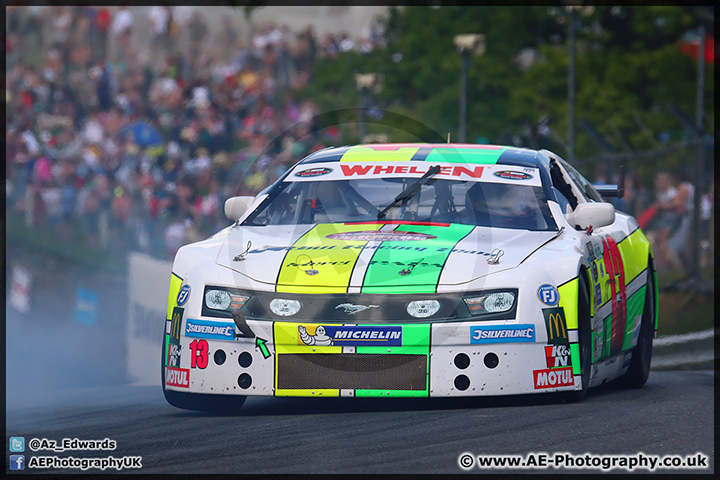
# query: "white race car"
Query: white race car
{"points": [[412, 270]]}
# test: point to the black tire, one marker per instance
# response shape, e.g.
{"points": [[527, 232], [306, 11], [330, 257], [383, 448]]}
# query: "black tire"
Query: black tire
{"points": [[639, 369], [584, 339], [209, 403]]}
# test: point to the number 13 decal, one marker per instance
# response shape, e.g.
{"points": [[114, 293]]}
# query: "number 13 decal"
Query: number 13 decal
{"points": [[199, 356], [614, 266]]}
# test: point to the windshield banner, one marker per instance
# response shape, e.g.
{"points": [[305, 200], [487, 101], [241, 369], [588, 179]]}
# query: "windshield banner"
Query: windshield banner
{"points": [[509, 174]]}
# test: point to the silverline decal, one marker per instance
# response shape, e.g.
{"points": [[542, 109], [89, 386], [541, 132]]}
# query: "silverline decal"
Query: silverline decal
{"points": [[502, 333]]}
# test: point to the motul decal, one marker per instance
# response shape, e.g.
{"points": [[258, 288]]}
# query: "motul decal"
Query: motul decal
{"points": [[177, 377], [552, 378]]}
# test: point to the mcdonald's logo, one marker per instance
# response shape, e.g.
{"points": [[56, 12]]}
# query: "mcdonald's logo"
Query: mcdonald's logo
{"points": [[555, 325], [175, 324]]}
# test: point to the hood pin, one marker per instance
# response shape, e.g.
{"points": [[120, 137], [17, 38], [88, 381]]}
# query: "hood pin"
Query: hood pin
{"points": [[495, 256]]}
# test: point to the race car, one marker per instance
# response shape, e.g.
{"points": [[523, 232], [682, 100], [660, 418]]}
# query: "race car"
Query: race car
{"points": [[412, 270]]}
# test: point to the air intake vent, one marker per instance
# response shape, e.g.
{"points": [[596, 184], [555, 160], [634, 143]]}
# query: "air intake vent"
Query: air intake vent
{"points": [[352, 371]]}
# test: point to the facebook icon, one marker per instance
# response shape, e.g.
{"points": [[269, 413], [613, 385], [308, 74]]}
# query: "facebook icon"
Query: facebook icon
{"points": [[17, 462]]}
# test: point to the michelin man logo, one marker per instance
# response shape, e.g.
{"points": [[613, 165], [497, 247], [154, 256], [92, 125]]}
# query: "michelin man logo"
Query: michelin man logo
{"points": [[321, 338]]}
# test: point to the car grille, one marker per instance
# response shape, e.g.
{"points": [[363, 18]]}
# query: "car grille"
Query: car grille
{"points": [[352, 371]]}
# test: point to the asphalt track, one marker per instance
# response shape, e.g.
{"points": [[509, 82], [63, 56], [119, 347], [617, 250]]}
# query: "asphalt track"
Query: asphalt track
{"points": [[672, 414]]}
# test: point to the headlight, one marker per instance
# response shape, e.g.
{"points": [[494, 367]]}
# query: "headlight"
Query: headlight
{"points": [[423, 308], [224, 300], [496, 302], [285, 308]]}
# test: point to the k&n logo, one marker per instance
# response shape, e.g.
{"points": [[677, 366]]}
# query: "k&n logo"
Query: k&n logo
{"points": [[557, 356]]}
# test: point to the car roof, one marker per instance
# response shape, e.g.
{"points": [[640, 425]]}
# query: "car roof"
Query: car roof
{"points": [[440, 152]]}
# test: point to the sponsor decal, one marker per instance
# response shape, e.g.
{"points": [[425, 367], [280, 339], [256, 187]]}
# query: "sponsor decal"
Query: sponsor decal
{"points": [[593, 268], [173, 355], [502, 333], [618, 294], [591, 254], [177, 377], [457, 165], [636, 330], [348, 336], [210, 329], [598, 296], [555, 324], [175, 324], [509, 175], [557, 356], [548, 295], [313, 172], [373, 169], [351, 309], [598, 340], [183, 295], [555, 377], [626, 359], [376, 236]]}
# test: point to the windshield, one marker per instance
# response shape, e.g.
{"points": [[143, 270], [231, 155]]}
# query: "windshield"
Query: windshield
{"points": [[500, 205]]}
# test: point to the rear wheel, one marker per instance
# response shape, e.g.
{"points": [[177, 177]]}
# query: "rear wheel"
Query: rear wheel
{"points": [[639, 369], [584, 339], [210, 403]]}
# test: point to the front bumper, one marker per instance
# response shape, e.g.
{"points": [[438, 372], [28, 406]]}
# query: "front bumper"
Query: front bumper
{"points": [[346, 360]]}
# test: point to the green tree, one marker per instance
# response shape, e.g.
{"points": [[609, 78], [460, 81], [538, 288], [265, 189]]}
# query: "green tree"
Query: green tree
{"points": [[629, 67]]}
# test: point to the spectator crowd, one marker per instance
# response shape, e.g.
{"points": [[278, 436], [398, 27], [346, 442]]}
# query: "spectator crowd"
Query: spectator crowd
{"points": [[124, 143]]}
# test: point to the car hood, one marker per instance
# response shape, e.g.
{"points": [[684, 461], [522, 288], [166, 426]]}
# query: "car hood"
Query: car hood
{"points": [[376, 257]]}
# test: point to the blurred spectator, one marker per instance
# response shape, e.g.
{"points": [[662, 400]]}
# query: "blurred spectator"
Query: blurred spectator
{"points": [[120, 31], [667, 218], [682, 205], [330, 48], [707, 215], [198, 31], [61, 20], [103, 21], [160, 30], [636, 195], [217, 107], [227, 38]]}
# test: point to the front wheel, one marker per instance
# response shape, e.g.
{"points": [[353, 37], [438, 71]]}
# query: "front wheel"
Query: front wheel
{"points": [[209, 403], [639, 369]]}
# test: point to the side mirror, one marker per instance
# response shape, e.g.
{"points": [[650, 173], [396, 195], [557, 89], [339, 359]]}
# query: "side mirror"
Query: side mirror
{"points": [[235, 207], [595, 214]]}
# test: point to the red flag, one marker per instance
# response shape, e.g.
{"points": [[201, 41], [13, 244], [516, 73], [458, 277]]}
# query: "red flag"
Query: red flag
{"points": [[691, 47]]}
